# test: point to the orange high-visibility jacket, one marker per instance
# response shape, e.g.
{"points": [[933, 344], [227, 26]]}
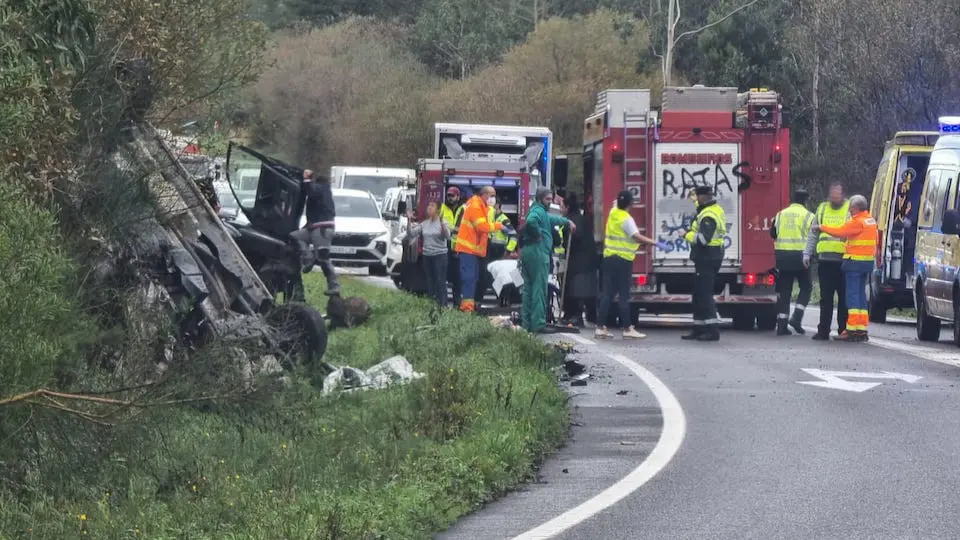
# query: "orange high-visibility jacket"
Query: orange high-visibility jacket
{"points": [[475, 228], [861, 235]]}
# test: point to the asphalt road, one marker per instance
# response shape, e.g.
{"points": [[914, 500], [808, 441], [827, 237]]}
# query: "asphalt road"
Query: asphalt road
{"points": [[723, 441]]}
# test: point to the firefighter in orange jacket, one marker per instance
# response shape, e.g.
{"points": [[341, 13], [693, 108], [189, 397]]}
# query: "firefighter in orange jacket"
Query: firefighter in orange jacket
{"points": [[471, 244], [858, 261]]}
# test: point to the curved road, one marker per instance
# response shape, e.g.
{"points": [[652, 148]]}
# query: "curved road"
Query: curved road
{"points": [[871, 451]]}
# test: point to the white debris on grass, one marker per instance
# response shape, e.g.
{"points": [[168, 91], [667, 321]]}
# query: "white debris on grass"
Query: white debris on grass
{"points": [[392, 371]]}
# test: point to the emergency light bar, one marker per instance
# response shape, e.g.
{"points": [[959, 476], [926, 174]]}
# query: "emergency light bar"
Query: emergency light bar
{"points": [[949, 124], [495, 182]]}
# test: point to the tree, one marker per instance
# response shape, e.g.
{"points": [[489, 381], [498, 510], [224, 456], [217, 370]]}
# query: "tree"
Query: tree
{"points": [[673, 38], [458, 38]]}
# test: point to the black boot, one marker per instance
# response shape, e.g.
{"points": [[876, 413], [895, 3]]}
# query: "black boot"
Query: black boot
{"points": [[694, 334], [710, 333], [782, 329], [796, 322], [822, 336]]}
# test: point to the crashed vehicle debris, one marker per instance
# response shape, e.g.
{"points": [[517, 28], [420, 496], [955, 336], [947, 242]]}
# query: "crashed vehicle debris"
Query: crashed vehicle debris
{"points": [[189, 266]]}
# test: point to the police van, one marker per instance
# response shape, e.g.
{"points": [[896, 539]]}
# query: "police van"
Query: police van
{"points": [[937, 287], [895, 205]]}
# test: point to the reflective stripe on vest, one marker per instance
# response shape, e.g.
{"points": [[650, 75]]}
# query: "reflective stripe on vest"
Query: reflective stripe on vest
{"points": [[716, 212], [616, 242], [863, 246], [499, 237], [455, 226], [827, 215], [560, 250], [793, 227]]}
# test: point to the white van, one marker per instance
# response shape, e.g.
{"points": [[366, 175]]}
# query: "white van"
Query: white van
{"points": [[376, 180]]}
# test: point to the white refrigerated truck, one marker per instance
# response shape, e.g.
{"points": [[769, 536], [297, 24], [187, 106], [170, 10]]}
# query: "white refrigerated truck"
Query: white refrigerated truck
{"points": [[487, 142]]}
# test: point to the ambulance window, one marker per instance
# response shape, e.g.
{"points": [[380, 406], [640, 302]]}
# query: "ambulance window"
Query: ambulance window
{"points": [[934, 199]]}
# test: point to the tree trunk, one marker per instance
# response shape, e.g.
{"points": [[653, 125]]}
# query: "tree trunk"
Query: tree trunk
{"points": [[815, 87], [668, 50]]}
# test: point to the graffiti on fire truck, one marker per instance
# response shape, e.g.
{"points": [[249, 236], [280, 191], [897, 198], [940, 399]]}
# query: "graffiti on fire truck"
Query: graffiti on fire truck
{"points": [[679, 172]]}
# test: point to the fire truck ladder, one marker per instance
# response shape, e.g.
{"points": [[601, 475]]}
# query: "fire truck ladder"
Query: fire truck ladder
{"points": [[634, 121]]}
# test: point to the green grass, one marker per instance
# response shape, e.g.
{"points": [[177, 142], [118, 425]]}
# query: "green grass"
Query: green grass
{"points": [[400, 463]]}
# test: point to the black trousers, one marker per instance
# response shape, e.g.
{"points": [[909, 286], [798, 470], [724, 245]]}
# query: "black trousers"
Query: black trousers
{"points": [[453, 276], [832, 281], [705, 318], [785, 281]]}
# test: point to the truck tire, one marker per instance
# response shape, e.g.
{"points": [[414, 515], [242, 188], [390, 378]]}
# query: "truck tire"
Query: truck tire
{"points": [[744, 319], [928, 328], [301, 332], [767, 318], [956, 317]]}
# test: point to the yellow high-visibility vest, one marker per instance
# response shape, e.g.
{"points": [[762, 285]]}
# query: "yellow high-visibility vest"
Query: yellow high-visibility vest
{"points": [[826, 215], [560, 250], [713, 211], [499, 237], [793, 227], [615, 241], [452, 218]]}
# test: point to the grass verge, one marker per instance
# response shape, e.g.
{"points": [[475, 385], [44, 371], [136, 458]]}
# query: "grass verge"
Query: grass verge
{"points": [[398, 463]]}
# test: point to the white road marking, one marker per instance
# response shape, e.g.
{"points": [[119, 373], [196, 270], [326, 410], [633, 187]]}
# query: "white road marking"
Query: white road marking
{"points": [[835, 379], [582, 340], [671, 438], [919, 351]]}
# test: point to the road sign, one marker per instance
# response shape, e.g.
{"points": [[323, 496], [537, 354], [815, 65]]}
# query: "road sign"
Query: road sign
{"points": [[835, 379]]}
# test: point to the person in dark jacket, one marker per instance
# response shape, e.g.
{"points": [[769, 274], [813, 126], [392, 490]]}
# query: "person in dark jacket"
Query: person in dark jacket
{"points": [[319, 230], [581, 283]]}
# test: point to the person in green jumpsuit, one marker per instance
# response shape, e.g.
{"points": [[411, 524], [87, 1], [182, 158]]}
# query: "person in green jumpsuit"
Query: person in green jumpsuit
{"points": [[535, 260]]}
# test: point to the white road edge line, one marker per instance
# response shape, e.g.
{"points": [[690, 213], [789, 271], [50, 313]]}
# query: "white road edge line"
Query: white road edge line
{"points": [[582, 340], [671, 438]]}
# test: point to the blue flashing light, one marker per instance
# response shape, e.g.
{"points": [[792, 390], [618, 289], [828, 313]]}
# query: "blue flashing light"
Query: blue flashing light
{"points": [[949, 124]]}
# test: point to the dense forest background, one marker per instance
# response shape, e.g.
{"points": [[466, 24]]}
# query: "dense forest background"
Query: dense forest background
{"points": [[360, 81]]}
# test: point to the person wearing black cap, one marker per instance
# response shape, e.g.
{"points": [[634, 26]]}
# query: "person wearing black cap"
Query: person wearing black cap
{"points": [[450, 212], [621, 241], [794, 240], [706, 236]]}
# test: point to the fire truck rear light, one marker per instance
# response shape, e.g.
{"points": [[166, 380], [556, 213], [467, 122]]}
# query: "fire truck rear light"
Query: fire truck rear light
{"points": [[750, 280], [640, 280], [770, 279]]}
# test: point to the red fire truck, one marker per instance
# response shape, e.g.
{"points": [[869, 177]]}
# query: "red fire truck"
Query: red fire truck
{"points": [[510, 179], [735, 143]]}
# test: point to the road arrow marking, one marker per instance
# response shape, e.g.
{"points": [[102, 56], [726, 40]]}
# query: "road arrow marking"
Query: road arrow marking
{"points": [[834, 379]]}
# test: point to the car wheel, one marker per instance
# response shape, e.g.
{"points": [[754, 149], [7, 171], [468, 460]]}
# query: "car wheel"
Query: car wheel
{"points": [[928, 328], [956, 317], [301, 333], [876, 307]]}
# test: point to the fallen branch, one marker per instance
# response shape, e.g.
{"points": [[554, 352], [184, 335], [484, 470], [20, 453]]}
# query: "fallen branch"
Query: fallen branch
{"points": [[59, 401]]}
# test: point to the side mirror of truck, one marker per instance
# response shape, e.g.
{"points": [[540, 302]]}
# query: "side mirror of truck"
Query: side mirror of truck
{"points": [[390, 216], [560, 172], [951, 222]]}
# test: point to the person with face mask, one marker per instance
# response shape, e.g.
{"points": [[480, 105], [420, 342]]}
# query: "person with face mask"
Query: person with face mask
{"points": [[833, 212], [471, 245], [535, 260], [450, 212]]}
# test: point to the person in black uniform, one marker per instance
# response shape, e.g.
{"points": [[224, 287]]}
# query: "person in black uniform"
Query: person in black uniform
{"points": [[706, 237]]}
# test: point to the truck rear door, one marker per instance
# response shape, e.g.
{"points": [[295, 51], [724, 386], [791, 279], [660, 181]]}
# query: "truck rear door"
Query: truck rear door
{"points": [[679, 168]]}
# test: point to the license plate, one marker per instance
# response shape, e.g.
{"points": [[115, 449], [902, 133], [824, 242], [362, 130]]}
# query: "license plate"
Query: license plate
{"points": [[342, 250]]}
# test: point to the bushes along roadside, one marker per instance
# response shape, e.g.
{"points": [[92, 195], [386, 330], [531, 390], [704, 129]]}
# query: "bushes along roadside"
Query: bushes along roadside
{"points": [[396, 463]]}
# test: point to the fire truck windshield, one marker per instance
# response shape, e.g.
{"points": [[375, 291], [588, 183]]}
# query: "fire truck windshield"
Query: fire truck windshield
{"points": [[376, 185]]}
